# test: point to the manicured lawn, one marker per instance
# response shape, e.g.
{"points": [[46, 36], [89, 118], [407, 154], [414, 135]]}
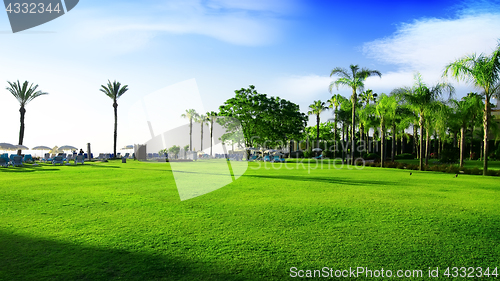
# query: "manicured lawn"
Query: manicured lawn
{"points": [[111, 220]]}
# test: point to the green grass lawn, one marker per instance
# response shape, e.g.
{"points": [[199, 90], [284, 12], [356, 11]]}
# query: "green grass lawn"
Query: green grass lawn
{"points": [[111, 220]]}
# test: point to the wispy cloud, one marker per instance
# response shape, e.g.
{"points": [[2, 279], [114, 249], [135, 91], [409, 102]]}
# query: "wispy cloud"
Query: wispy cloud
{"points": [[245, 23], [428, 45]]}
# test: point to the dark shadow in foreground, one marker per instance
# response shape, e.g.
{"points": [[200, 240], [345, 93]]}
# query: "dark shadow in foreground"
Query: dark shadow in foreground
{"points": [[26, 258]]}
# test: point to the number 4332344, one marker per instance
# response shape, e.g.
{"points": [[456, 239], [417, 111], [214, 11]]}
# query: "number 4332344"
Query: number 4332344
{"points": [[32, 8]]}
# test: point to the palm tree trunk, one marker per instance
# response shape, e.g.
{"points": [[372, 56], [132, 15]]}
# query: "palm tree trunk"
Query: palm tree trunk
{"points": [[471, 143], [393, 146], [335, 135], [115, 105], [353, 128], [22, 110], [201, 144], [343, 141], [421, 142], [486, 126], [382, 145], [462, 143], [440, 145], [211, 135], [403, 143], [191, 134], [317, 130], [427, 147], [415, 145]]}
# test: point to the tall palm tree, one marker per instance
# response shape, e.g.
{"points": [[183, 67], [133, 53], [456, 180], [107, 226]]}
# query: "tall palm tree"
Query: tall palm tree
{"points": [[315, 109], [334, 103], [114, 91], [24, 94], [421, 97], [202, 119], [211, 116], [365, 98], [355, 80], [190, 114], [385, 110], [483, 72]]}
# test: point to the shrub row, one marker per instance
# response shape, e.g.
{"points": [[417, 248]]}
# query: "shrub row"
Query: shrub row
{"points": [[451, 169]]}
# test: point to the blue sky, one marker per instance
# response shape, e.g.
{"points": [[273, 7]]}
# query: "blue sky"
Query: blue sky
{"points": [[211, 48]]}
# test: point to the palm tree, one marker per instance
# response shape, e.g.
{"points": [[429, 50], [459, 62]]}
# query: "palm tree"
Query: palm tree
{"points": [[24, 94], [421, 97], [483, 72], [211, 116], [114, 91], [385, 110], [190, 114], [354, 80], [334, 102], [365, 98], [202, 119], [315, 109]]}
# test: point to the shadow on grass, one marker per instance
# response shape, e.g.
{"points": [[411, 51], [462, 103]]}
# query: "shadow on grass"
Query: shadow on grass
{"points": [[25, 170], [27, 258], [325, 179]]}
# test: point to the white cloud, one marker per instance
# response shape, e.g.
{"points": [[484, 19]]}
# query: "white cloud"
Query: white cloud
{"points": [[239, 23], [428, 45], [433, 43]]}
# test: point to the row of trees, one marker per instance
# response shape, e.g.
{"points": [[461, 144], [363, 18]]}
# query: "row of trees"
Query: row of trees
{"points": [[418, 106], [203, 119]]}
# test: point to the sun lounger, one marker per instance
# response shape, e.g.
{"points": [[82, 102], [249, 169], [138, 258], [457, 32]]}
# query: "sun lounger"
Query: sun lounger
{"points": [[3, 162], [58, 160], [267, 158], [28, 158], [278, 159], [79, 159], [17, 161]]}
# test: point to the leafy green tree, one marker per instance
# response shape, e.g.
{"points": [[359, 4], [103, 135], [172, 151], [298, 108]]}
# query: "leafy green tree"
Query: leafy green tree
{"points": [[354, 79], [420, 97], [483, 72], [263, 120], [316, 109], [190, 114], [174, 150], [114, 91], [24, 94]]}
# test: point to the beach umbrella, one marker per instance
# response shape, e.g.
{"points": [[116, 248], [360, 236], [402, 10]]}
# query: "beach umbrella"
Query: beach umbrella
{"points": [[41, 147], [7, 146], [67, 147], [21, 147], [317, 149]]}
